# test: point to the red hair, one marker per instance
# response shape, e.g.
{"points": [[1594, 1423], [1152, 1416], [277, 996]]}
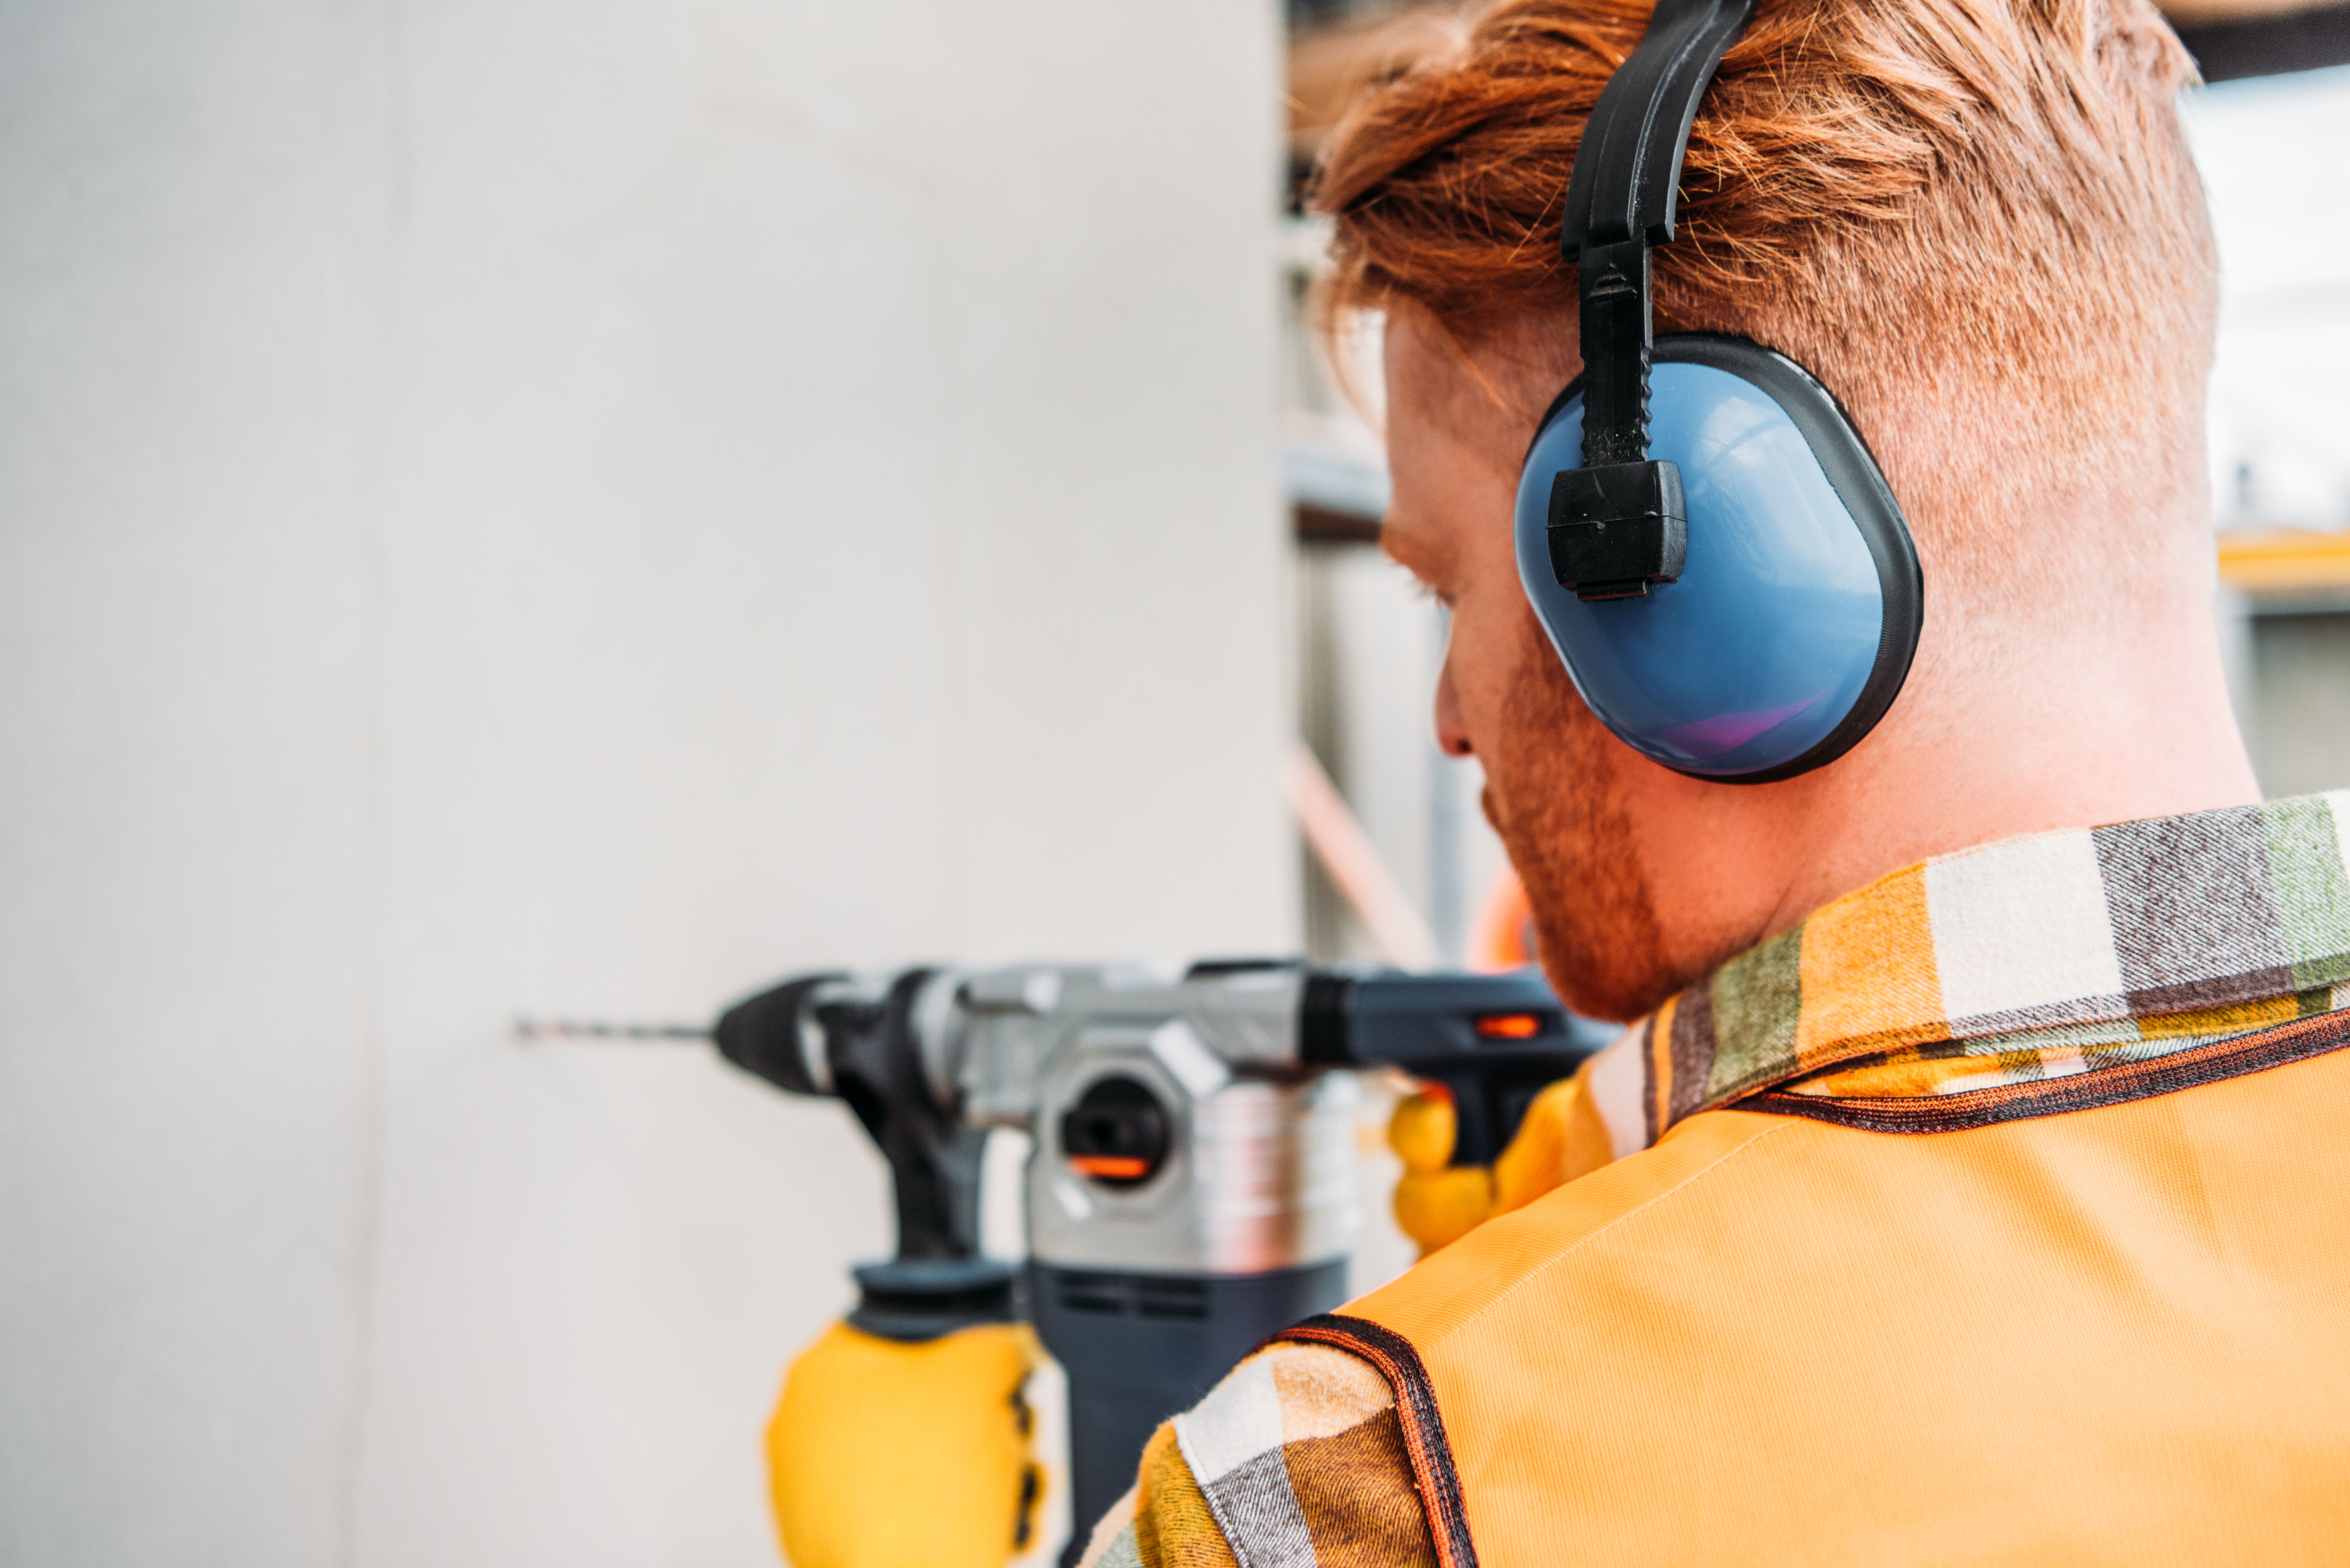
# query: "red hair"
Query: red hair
{"points": [[1977, 220]]}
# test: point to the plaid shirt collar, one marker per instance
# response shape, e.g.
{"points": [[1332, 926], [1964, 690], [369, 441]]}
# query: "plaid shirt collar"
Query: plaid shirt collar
{"points": [[2033, 959]]}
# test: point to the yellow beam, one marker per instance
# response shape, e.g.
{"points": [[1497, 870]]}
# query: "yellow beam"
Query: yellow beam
{"points": [[2285, 560]]}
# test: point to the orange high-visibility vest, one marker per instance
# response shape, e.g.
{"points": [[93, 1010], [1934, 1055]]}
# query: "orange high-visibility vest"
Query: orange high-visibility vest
{"points": [[2112, 1335]]}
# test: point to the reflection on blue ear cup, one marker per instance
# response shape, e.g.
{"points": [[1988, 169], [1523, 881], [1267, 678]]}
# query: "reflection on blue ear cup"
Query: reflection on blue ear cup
{"points": [[1769, 641]]}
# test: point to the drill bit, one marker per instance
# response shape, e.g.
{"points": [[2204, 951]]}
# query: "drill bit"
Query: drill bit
{"points": [[604, 1029]]}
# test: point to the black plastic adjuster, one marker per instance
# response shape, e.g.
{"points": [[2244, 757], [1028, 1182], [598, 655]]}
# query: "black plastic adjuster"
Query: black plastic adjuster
{"points": [[1618, 528], [914, 1300]]}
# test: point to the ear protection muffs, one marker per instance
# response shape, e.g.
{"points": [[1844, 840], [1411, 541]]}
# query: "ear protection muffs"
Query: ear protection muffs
{"points": [[1734, 591]]}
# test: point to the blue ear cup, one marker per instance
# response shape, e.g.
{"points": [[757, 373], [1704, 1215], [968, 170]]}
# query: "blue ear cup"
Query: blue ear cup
{"points": [[1792, 627]]}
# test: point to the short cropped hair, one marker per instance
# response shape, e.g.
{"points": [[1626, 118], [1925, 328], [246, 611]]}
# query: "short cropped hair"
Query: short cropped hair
{"points": [[1977, 220]]}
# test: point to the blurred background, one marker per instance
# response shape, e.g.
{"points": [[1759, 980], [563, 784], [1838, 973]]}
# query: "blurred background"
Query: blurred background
{"points": [[518, 507]]}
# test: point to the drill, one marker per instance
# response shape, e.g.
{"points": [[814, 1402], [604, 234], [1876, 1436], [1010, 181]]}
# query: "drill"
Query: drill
{"points": [[1192, 1185]]}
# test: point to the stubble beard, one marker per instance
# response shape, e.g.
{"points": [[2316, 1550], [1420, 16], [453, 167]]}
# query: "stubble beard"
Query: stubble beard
{"points": [[1554, 791]]}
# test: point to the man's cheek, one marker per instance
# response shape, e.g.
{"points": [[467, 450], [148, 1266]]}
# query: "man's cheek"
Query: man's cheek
{"points": [[1555, 798]]}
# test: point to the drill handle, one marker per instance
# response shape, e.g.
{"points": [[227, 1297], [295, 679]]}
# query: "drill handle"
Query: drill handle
{"points": [[1490, 1102], [1495, 1040]]}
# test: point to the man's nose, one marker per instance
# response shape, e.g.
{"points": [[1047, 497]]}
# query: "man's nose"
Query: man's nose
{"points": [[1451, 735]]}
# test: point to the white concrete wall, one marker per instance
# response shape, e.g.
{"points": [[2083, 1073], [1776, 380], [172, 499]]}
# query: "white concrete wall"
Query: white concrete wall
{"points": [[580, 506]]}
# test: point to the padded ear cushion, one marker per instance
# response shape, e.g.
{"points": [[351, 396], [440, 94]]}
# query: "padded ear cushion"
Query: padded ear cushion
{"points": [[1797, 613]]}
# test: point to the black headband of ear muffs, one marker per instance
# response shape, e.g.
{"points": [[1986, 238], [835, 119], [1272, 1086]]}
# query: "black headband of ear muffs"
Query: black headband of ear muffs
{"points": [[1620, 201]]}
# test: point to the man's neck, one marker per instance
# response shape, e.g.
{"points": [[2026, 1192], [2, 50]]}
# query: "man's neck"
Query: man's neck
{"points": [[2089, 727]]}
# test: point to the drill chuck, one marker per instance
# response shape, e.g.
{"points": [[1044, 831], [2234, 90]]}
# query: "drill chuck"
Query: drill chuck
{"points": [[773, 1035]]}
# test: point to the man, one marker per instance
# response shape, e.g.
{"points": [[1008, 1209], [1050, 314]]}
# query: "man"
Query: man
{"points": [[1971, 1187]]}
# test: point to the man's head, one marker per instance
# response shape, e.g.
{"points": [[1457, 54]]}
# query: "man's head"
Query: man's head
{"points": [[1980, 227]]}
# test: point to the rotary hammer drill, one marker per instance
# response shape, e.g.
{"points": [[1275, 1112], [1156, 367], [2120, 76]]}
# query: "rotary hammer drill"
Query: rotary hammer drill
{"points": [[1191, 1187]]}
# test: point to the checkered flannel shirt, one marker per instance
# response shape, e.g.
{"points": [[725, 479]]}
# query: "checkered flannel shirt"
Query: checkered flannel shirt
{"points": [[2017, 969]]}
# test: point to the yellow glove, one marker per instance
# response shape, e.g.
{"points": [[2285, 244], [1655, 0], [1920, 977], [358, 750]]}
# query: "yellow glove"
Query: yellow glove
{"points": [[889, 1455], [1437, 1202]]}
